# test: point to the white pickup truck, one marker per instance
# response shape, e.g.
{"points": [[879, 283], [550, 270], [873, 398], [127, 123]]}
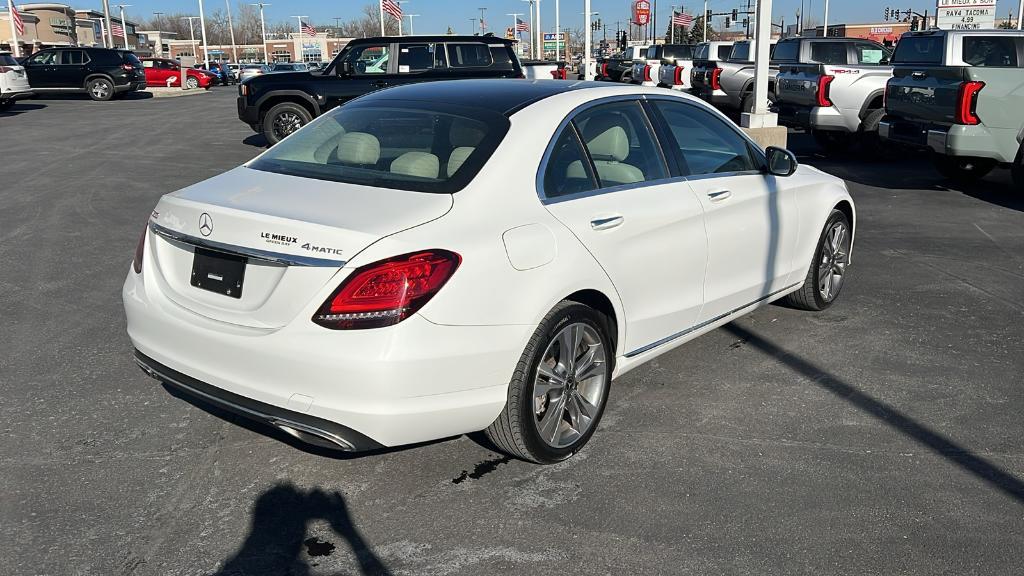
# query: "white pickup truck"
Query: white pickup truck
{"points": [[645, 70], [676, 74], [834, 88]]}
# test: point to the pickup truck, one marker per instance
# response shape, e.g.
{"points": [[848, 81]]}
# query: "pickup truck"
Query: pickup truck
{"points": [[645, 69], [675, 74], [617, 66], [960, 94], [834, 89], [280, 103], [730, 83]]}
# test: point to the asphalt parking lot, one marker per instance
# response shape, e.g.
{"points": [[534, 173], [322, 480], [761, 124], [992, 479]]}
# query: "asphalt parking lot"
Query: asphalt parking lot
{"points": [[882, 436]]}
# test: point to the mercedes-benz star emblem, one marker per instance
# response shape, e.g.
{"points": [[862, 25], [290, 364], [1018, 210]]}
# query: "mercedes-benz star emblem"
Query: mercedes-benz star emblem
{"points": [[205, 224]]}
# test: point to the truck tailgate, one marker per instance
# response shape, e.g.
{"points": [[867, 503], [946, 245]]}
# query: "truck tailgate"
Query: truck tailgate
{"points": [[797, 84], [924, 93]]}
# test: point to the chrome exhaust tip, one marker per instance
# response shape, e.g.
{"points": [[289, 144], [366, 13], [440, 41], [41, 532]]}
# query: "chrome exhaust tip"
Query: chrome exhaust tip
{"points": [[311, 435]]}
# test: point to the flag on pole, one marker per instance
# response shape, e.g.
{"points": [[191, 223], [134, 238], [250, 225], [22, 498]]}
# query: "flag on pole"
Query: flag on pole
{"points": [[521, 26], [116, 29], [308, 29], [18, 23], [682, 19], [392, 7]]}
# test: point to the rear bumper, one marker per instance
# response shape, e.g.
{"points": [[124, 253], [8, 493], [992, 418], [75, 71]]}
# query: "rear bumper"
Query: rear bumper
{"points": [[817, 118], [19, 95], [717, 98], [976, 141], [408, 383]]}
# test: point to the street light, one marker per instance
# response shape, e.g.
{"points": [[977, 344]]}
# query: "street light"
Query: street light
{"points": [[192, 33], [303, 55], [202, 28], [263, 31], [231, 27], [124, 27], [412, 31]]}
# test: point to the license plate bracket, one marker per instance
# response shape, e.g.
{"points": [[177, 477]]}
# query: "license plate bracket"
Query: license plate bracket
{"points": [[218, 272]]}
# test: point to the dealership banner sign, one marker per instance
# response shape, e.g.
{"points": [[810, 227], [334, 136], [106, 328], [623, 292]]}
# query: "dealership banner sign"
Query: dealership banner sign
{"points": [[966, 14]]}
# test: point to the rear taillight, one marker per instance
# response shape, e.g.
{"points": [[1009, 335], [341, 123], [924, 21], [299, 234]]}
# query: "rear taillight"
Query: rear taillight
{"points": [[127, 67], [387, 292], [6, 69], [823, 91], [647, 73], [243, 89], [604, 69], [560, 74], [967, 103], [716, 76], [140, 249], [678, 81]]}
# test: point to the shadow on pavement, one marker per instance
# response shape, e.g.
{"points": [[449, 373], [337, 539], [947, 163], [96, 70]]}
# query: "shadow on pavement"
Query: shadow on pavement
{"points": [[21, 108], [257, 140], [279, 529], [889, 415]]}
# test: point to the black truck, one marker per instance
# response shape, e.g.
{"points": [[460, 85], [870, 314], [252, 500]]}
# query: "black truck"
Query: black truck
{"points": [[280, 103]]}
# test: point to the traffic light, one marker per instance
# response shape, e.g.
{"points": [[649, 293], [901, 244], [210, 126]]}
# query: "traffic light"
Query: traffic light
{"points": [[708, 15], [913, 24], [728, 23], [886, 13], [735, 14]]}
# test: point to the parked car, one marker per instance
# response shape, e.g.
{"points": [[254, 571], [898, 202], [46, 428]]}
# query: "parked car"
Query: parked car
{"points": [[102, 73], [225, 76], [834, 89], [252, 70], [729, 83], [619, 67], [289, 67], [675, 73], [167, 73], [960, 94], [544, 70], [236, 70], [278, 104], [13, 81], [645, 69], [447, 257]]}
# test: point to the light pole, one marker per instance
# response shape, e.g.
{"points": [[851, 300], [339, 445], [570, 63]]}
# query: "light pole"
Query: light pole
{"points": [[587, 33], [192, 33], [231, 27], [826, 19], [1020, 19], [472, 22], [515, 23], [263, 31], [558, 31], [412, 31], [106, 19], [540, 34], [124, 28], [202, 29], [705, 38], [533, 27], [300, 57]]}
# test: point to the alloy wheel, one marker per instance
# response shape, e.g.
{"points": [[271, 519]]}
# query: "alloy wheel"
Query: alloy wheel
{"points": [[570, 385], [835, 255], [286, 123], [100, 89]]}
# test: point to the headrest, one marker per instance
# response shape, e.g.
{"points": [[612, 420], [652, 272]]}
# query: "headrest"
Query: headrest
{"points": [[458, 158], [606, 138], [421, 164], [465, 134], [358, 148]]}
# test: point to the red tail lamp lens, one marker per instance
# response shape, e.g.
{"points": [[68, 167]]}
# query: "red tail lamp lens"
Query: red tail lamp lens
{"points": [[716, 75], [386, 292], [967, 103], [647, 73], [679, 76], [140, 250], [604, 69], [823, 91]]}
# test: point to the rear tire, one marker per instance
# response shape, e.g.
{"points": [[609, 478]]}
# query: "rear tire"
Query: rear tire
{"points": [[748, 102], [100, 89], [284, 119], [1018, 170], [870, 142], [962, 169], [820, 291], [555, 399]]}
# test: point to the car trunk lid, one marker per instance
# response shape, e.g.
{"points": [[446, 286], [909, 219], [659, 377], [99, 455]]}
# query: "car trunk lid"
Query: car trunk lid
{"points": [[294, 235]]}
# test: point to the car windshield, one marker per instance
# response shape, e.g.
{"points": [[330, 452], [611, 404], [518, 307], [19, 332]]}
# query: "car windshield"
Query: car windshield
{"points": [[7, 60], [391, 144]]}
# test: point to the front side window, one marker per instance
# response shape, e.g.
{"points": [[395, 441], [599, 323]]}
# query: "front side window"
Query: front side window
{"points": [[469, 56], [568, 169], [619, 142], [416, 146], [43, 59], [369, 59], [419, 58], [998, 51], [868, 53], [706, 144], [833, 53]]}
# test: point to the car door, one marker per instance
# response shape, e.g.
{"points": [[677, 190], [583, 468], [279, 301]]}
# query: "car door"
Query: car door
{"points": [[41, 69], [73, 68], [606, 179], [371, 67], [751, 218]]}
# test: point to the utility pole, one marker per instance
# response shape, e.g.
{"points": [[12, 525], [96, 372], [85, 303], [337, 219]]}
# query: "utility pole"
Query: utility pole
{"points": [[533, 28], [231, 27], [263, 31], [705, 38], [202, 27], [106, 19]]}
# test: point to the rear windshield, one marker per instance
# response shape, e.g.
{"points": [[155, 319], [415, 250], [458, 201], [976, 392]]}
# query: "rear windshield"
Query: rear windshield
{"points": [[391, 144], [991, 50], [677, 51], [132, 59], [7, 60], [787, 50], [919, 50]]}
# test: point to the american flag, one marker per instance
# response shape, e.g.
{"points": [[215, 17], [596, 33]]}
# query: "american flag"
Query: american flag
{"points": [[521, 26], [682, 19], [392, 8], [18, 23], [116, 30], [308, 29]]}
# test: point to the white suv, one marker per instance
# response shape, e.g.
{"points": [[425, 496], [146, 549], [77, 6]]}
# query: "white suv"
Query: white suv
{"points": [[13, 81]]}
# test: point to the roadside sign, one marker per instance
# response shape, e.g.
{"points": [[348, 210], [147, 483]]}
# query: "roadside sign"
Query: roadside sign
{"points": [[966, 14]]}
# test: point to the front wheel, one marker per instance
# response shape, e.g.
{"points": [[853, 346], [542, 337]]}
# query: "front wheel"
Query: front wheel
{"points": [[100, 89], [961, 169], [284, 119], [192, 83], [560, 387], [827, 273]]}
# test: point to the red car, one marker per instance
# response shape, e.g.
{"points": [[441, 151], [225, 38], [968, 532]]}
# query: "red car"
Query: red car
{"points": [[166, 72]]}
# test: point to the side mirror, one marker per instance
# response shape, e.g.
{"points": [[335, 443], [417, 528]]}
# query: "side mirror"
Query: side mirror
{"points": [[781, 162], [345, 68]]}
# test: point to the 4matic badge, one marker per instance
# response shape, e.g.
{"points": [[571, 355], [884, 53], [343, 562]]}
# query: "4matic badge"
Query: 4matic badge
{"points": [[321, 249]]}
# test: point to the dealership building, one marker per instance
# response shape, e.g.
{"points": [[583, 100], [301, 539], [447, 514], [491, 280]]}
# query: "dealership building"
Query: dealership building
{"points": [[49, 25], [295, 48]]}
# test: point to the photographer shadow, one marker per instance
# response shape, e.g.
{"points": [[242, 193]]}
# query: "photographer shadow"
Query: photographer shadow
{"points": [[280, 523]]}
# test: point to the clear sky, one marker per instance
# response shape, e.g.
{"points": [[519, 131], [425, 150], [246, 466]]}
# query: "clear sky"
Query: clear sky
{"points": [[438, 15]]}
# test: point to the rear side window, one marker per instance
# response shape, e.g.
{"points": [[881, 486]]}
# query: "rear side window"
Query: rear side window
{"points": [[724, 51], [132, 59], [620, 144], [469, 56], [416, 146], [920, 50], [568, 170], [419, 58], [72, 57], [787, 50], [997, 51], [740, 52], [833, 53], [501, 55]]}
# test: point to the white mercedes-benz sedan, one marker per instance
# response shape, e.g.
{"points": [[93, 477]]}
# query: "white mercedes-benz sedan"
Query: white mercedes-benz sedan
{"points": [[443, 258]]}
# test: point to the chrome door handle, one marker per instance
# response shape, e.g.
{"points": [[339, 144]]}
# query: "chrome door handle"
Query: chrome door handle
{"points": [[606, 223], [719, 195]]}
